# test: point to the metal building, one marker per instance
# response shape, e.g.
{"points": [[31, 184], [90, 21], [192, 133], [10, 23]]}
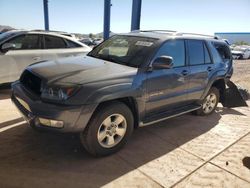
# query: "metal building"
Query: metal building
{"points": [[234, 37]]}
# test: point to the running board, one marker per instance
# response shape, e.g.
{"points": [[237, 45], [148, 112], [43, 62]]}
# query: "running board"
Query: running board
{"points": [[168, 115]]}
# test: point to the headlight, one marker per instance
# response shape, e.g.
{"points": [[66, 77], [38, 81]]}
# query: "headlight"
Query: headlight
{"points": [[58, 92]]}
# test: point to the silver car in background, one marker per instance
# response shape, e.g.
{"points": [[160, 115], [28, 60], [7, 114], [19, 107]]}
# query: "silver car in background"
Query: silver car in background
{"points": [[19, 49]]}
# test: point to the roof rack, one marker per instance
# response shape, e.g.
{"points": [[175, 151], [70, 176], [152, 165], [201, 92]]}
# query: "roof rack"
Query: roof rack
{"points": [[176, 33], [196, 34], [159, 31], [49, 31]]}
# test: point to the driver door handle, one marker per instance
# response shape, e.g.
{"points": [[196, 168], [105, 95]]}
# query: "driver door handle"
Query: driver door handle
{"points": [[184, 72], [209, 69]]}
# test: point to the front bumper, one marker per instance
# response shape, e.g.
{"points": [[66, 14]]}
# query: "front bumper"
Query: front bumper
{"points": [[75, 118]]}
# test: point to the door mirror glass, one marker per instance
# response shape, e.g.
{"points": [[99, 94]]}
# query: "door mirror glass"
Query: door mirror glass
{"points": [[8, 46], [163, 62]]}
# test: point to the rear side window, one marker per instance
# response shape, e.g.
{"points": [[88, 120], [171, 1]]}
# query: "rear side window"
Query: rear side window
{"points": [[196, 52], [26, 42], [52, 42], [175, 49], [71, 44], [207, 56]]}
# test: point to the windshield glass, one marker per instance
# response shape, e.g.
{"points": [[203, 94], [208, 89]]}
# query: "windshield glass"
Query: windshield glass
{"points": [[126, 50], [6, 35]]}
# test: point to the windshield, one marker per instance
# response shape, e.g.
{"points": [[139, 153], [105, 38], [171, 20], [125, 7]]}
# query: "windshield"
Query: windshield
{"points": [[126, 50], [6, 35]]}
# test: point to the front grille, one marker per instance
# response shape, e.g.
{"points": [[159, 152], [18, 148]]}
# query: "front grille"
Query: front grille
{"points": [[31, 82]]}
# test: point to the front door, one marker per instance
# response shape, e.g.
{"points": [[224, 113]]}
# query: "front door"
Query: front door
{"points": [[13, 62], [167, 88]]}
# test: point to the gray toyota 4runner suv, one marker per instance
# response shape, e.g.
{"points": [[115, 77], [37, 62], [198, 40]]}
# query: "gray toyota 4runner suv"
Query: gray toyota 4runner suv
{"points": [[128, 81]]}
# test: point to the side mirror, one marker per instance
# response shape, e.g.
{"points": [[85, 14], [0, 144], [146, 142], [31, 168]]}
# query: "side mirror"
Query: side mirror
{"points": [[163, 62], [8, 46]]}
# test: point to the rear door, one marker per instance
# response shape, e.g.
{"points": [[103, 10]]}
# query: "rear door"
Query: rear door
{"points": [[58, 47], [27, 51], [167, 88], [201, 68]]}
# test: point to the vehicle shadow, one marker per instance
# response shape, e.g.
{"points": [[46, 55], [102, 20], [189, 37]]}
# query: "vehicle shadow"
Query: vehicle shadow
{"points": [[224, 111], [29, 158], [5, 92], [10, 122]]}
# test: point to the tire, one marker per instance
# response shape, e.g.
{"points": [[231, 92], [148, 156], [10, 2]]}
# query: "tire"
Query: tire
{"points": [[208, 107], [107, 121]]}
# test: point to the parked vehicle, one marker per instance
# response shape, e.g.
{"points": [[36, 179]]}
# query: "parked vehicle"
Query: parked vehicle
{"points": [[18, 49], [240, 52], [128, 81], [87, 41], [97, 41]]}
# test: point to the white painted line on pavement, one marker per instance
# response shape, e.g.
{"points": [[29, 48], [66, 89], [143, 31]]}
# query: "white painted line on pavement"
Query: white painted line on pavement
{"points": [[11, 126]]}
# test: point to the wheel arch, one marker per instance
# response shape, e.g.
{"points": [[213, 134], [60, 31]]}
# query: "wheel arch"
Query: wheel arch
{"points": [[129, 101], [220, 84]]}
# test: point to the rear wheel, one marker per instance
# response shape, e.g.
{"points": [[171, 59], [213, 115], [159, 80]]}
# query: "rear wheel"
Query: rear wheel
{"points": [[108, 130], [209, 103]]}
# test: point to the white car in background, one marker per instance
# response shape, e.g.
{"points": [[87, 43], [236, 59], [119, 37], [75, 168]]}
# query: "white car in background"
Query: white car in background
{"points": [[19, 49], [241, 52]]}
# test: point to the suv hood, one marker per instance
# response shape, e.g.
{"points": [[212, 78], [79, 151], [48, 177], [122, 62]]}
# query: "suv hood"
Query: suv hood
{"points": [[80, 70]]}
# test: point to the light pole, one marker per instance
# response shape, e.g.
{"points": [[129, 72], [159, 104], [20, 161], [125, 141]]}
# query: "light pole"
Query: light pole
{"points": [[136, 15], [106, 21], [46, 14]]}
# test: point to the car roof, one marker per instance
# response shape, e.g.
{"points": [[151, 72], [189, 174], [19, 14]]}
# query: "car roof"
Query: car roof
{"points": [[52, 33]]}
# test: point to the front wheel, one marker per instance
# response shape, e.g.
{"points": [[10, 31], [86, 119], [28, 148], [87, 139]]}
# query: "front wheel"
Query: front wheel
{"points": [[108, 130], [209, 103]]}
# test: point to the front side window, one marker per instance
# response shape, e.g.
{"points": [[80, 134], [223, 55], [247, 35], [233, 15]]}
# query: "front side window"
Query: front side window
{"points": [[25, 42], [52, 42], [126, 50], [174, 49]]}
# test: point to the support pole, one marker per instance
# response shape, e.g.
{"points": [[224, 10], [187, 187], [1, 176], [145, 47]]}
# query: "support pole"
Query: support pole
{"points": [[46, 14], [136, 15], [106, 22]]}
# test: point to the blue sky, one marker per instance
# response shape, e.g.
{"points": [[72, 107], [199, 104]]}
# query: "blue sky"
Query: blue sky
{"points": [[86, 16]]}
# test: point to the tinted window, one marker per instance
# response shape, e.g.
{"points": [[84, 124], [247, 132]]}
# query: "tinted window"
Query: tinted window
{"points": [[207, 56], [6, 35], [196, 53], [214, 53], [175, 49], [223, 50], [26, 42], [72, 44], [54, 42]]}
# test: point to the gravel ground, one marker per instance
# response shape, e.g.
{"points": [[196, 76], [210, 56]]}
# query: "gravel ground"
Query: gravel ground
{"points": [[241, 73]]}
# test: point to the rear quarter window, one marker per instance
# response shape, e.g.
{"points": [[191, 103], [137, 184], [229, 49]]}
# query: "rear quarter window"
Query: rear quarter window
{"points": [[71, 44], [215, 54], [223, 51]]}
